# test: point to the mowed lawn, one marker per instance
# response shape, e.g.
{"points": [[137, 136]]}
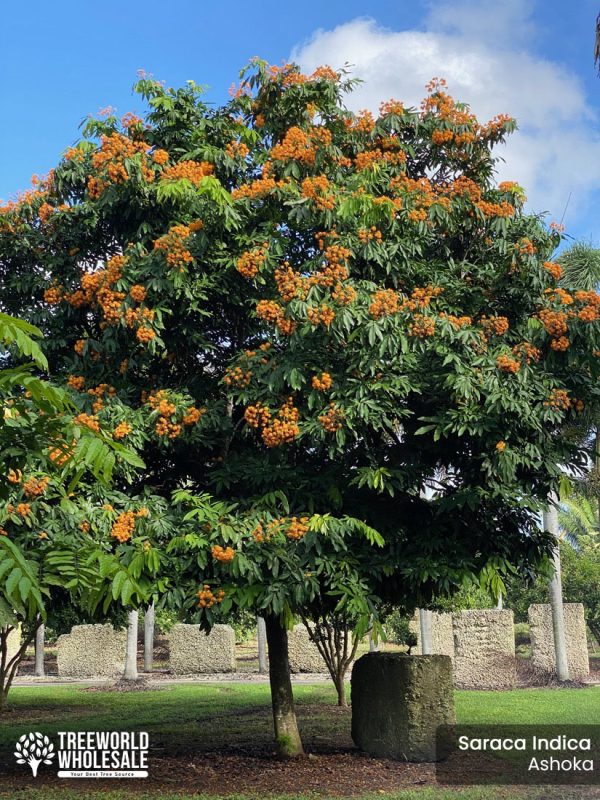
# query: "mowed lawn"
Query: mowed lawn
{"points": [[222, 723]]}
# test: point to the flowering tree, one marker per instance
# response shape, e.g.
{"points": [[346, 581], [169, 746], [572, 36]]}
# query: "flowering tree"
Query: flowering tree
{"points": [[308, 312]]}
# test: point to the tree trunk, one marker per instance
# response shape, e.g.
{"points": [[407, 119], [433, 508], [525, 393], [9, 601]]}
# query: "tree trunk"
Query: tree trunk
{"points": [[425, 625], [287, 736], [39, 651], [261, 638], [499, 602], [131, 673], [556, 600], [149, 638]]}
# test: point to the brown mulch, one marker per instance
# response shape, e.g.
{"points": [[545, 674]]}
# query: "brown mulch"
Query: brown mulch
{"points": [[337, 774]]}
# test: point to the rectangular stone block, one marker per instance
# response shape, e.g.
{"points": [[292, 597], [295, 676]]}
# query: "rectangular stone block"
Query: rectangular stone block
{"points": [[91, 651], [192, 651], [398, 703], [442, 635], [484, 649], [303, 653], [541, 632]]}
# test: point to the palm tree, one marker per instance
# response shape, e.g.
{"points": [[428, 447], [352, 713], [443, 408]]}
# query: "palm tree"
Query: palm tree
{"points": [[578, 520], [580, 266]]}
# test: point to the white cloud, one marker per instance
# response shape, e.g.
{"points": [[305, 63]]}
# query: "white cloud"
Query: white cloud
{"points": [[479, 47]]}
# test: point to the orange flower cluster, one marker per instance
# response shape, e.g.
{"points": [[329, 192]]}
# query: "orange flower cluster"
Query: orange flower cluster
{"points": [[173, 243], [53, 295], [297, 528], [257, 416], [61, 454], [422, 297], [554, 269], [506, 363], [138, 293], [322, 383], [554, 322], [99, 392], [591, 304], [301, 146], [559, 400], [109, 163], [526, 352], [123, 526], [525, 247], [160, 157], [494, 325], [192, 171], [278, 430], [96, 288], [321, 315], [258, 188], [561, 343], [88, 421], [23, 509], [237, 150], [34, 487], [318, 189], [289, 283], [272, 312], [122, 430], [489, 209], [237, 377], [206, 598], [226, 555], [421, 326], [456, 322], [282, 429], [78, 347], [145, 334], [192, 415], [76, 382], [383, 303], [500, 446], [332, 420], [367, 235], [250, 262]]}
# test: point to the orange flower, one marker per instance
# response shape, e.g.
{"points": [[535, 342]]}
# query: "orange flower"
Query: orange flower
{"points": [[123, 429], [501, 446], [322, 383], [225, 555], [123, 526]]}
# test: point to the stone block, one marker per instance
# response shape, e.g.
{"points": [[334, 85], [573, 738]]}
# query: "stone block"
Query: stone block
{"points": [[484, 649], [442, 635], [303, 653], [398, 703], [542, 639], [91, 651], [192, 651]]}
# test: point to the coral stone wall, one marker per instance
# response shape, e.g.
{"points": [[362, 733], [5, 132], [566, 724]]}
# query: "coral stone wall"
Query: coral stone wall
{"points": [[193, 651], [484, 649], [91, 651], [542, 639], [303, 654], [442, 635]]}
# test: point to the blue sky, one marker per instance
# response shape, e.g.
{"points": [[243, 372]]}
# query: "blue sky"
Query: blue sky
{"points": [[61, 61]]}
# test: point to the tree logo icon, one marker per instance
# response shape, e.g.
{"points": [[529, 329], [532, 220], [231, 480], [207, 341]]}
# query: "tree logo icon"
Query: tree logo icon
{"points": [[34, 749]]}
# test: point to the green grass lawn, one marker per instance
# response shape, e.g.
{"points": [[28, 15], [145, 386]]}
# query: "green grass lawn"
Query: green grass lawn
{"points": [[186, 720]]}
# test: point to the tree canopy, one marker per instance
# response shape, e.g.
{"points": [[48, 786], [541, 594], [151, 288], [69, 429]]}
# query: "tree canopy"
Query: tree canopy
{"points": [[307, 312]]}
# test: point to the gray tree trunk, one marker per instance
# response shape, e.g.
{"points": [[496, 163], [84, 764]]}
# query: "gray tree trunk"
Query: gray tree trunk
{"points": [[149, 638], [556, 599], [261, 638], [39, 651], [499, 602], [425, 625], [131, 673]]}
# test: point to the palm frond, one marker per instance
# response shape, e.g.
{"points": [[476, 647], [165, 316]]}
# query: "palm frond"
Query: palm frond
{"points": [[580, 267]]}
